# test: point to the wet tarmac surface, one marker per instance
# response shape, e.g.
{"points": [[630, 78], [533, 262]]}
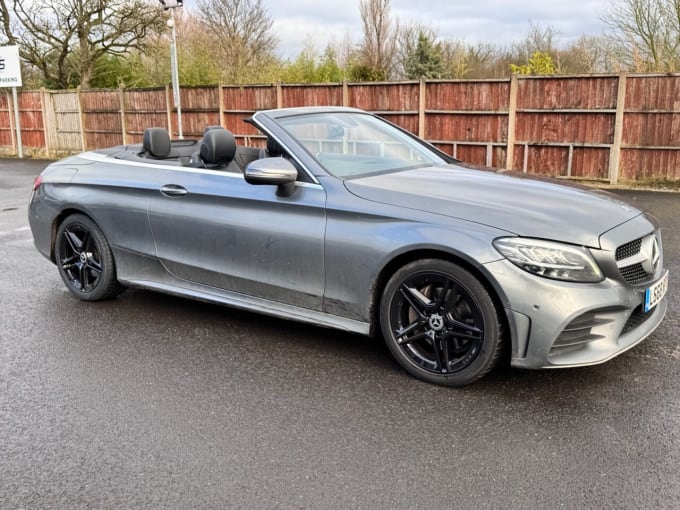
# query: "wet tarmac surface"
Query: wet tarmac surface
{"points": [[151, 401]]}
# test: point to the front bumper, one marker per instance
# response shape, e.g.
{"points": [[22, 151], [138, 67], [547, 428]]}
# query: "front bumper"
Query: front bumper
{"points": [[556, 324]]}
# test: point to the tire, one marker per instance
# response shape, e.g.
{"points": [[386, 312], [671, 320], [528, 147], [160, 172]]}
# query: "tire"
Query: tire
{"points": [[440, 323], [84, 259]]}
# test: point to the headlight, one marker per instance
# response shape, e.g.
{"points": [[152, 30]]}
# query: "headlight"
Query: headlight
{"points": [[550, 259]]}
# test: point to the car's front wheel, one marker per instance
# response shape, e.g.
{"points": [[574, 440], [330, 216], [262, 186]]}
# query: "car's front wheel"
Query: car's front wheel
{"points": [[440, 323], [84, 259]]}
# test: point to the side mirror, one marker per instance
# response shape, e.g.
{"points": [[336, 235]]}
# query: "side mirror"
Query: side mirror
{"points": [[273, 171]]}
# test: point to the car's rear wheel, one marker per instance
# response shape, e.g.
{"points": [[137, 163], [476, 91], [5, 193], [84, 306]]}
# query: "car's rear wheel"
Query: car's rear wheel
{"points": [[85, 260], [440, 323]]}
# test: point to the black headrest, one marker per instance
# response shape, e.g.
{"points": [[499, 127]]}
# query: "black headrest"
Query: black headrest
{"points": [[157, 142], [273, 147], [218, 146]]}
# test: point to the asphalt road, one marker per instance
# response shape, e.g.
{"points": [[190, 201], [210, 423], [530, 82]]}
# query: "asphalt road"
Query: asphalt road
{"points": [[150, 401]]}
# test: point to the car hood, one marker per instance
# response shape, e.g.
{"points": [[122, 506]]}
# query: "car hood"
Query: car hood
{"points": [[525, 206]]}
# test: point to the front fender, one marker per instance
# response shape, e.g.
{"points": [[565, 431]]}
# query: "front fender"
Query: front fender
{"points": [[359, 249]]}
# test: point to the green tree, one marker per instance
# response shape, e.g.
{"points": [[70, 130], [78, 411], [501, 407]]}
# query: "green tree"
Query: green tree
{"points": [[360, 71], [308, 67], [539, 64], [425, 61], [198, 58], [329, 70], [112, 71]]}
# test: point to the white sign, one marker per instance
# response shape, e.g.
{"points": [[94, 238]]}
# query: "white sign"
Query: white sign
{"points": [[10, 67]]}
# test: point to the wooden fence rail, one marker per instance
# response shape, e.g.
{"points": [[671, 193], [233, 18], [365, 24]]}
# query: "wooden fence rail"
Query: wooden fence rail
{"points": [[598, 127]]}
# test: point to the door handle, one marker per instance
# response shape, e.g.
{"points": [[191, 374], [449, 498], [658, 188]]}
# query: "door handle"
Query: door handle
{"points": [[173, 190]]}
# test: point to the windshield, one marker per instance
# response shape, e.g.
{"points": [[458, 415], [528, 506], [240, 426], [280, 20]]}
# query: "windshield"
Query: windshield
{"points": [[350, 145]]}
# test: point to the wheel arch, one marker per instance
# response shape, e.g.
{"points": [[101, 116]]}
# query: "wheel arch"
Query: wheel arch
{"points": [[58, 220], [401, 259]]}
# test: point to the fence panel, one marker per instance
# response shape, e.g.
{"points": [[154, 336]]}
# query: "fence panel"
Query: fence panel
{"points": [[62, 116], [31, 120], [565, 125], [311, 95], [651, 129], [469, 119], [200, 108], [144, 108], [6, 121], [239, 103], [397, 102], [102, 118]]}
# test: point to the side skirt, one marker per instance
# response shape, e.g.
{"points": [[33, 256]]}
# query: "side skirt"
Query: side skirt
{"points": [[143, 271], [255, 304]]}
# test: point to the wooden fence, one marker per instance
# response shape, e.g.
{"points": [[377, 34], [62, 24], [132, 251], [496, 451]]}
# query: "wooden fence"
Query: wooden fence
{"points": [[597, 127]]}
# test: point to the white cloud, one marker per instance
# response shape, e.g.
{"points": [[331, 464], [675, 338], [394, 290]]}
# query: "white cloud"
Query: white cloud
{"points": [[496, 21]]}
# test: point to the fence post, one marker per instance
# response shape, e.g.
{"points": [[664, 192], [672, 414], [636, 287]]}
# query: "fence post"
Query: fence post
{"points": [[46, 121], [615, 153], [512, 121], [421, 109], [10, 113], [220, 101], [122, 115], [345, 93], [81, 120], [279, 95]]}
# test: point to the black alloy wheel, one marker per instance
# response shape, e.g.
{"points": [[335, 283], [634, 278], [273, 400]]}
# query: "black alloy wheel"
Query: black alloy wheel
{"points": [[440, 323], [85, 260]]}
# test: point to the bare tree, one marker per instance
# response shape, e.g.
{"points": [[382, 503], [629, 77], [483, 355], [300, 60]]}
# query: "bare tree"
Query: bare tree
{"points": [[590, 54], [6, 23], [539, 38], [648, 32], [65, 39], [242, 29], [455, 59], [344, 50], [378, 49]]}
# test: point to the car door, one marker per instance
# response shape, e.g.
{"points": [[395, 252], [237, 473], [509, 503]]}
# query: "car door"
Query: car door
{"points": [[215, 229]]}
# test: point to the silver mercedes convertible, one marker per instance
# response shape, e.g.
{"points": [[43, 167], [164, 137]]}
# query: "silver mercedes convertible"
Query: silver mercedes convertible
{"points": [[348, 221]]}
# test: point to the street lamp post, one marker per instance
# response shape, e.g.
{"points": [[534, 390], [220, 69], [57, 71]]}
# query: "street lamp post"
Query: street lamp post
{"points": [[172, 5]]}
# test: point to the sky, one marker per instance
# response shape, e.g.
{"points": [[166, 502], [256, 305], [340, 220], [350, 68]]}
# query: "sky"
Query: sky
{"points": [[472, 21]]}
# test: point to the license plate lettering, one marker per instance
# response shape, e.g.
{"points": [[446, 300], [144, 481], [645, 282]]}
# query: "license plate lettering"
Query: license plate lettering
{"points": [[655, 293]]}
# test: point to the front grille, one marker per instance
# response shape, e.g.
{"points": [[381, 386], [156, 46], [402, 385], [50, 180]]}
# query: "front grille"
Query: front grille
{"points": [[636, 319], [628, 258], [634, 274], [628, 250]]}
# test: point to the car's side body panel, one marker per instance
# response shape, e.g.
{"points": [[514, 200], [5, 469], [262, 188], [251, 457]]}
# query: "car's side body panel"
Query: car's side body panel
{"points": [[228, 234]]}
